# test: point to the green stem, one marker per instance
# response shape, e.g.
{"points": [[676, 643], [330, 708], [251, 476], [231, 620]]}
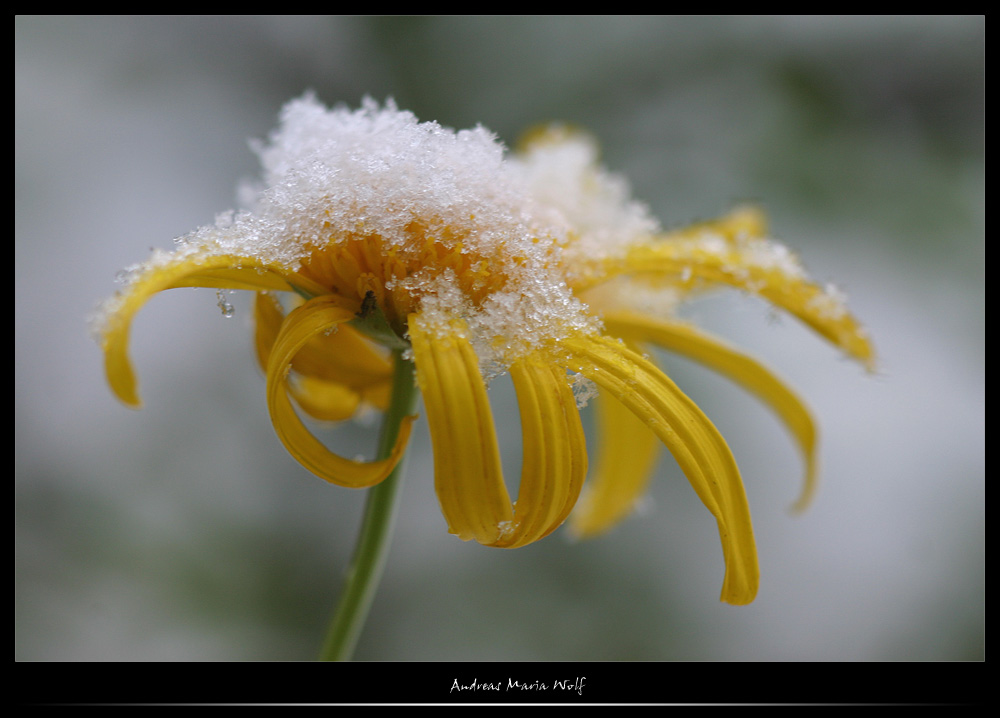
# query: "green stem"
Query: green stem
{"points": [[372, 549]]}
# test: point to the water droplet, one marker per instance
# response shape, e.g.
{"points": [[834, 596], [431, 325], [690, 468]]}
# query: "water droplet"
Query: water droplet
{"points": [[226, 307]]}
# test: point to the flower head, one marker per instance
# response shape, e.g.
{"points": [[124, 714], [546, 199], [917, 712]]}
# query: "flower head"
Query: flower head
{"points": [[373, 232]]}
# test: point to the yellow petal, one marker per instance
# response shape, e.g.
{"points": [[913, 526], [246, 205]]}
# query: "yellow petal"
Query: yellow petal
{"points": [[316, 316], [741, 223], [555, 453], [693, 440], [341, 357], [755, 265], [626, 454], [336, 371], [324, 400], [688, 341], [249, 273], [346, 357], [268, 318], [220, 271], [378, 395], [467, 474]]}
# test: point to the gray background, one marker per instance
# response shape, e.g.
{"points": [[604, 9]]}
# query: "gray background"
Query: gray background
{"points": [[185, 532]]}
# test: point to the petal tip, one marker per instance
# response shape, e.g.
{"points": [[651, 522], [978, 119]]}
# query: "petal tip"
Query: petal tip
{"points": [[134, 402], [741, 600]]}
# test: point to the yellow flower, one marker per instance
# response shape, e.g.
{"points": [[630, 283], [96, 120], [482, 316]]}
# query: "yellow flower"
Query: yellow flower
{"points": [[373, 232]]}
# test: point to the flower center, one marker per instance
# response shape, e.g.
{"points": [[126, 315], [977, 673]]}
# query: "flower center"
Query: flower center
{"points": [[401, 274]]}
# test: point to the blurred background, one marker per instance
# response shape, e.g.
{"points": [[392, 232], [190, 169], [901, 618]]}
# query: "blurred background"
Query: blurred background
{"points": [[185, 532]]}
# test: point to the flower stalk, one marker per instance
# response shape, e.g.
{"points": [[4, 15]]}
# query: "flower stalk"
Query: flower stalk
{"points": [[375, 536]]}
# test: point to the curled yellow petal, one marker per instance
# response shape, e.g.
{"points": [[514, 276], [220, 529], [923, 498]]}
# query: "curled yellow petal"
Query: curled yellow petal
{"points": [[335, 371], [249, 273], [467, 470], [695, 443], [467, 473], [316, 316], [342, 356], [555, 455], [200, 270], [324, 400], [688, 341]]}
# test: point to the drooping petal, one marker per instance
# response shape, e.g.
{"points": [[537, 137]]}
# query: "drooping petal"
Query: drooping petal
{"points": [[346, 357], [555, 455], [467, 473], [343, 356], [219, 271], [268, 318], [316, 316], [688, 341], [324, 400], [695, 443], [626, 454], [332, 374]]}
